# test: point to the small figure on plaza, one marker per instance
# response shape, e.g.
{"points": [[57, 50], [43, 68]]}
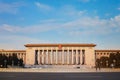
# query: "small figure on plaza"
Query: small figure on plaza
{"points": [[5, 63], [112, 65], [97, 64]]}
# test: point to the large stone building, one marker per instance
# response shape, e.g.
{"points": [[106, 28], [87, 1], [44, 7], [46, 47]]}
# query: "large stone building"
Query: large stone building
{"points": [[21, 54], [105, 53], [59, 54]]}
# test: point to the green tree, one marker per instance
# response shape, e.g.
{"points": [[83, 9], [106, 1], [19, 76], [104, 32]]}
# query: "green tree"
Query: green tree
{"points": [[104, 61]]}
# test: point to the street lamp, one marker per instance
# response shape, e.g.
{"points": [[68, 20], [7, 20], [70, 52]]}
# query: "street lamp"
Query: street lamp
{"points": [[107, 63], [114, 61], [5, 63], [12, 63], [101, 64], [18, 63]]}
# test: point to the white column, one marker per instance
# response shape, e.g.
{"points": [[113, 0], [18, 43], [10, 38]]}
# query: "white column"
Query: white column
{"points": [[54, 53], [62, 56], [81, 56], [20, 55], [51, 53], [49, 58], [67, 56], [38, 56], [72, 56], [56, 56], [53, 57], [42, 56], [24, 56], [76, 56], [46, 56]]}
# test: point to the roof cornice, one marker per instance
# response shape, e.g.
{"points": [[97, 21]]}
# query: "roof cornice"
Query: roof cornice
{"points": [[107, 50], [63, 45], [13, 51]]}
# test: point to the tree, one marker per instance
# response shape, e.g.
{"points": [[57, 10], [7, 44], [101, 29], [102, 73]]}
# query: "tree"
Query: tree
{"points": [[104, 61], [1, 58], [111, 59], [21, 62], [15, 59], [4, 61], [10, 60], [117, 58]]}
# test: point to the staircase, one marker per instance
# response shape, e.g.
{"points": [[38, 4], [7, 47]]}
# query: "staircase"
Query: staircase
{"points": [[59, 66]]}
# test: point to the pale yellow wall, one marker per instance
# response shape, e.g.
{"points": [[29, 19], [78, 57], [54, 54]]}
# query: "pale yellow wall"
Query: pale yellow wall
{"points": [[89, 53], [104, 54], [30, 54], [19, 54], [90, 56]]}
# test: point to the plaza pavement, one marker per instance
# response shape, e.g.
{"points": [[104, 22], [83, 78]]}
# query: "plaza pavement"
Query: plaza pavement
{"points": [[57, 70]]}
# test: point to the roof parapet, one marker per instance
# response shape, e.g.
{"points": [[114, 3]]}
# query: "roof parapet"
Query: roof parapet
{"points": [[63, 45]]}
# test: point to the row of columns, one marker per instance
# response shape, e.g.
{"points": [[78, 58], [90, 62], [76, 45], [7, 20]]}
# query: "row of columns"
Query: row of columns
{"points": [[59, 57], [18, 55]]}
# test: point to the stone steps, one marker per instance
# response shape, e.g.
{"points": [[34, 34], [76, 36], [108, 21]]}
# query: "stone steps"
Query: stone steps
{"points": [[58, 66]]}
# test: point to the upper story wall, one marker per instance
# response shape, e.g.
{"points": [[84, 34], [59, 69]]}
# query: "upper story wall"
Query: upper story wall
{"points": [[58, 46], [21, 54], [105, 53], [88, 48]]}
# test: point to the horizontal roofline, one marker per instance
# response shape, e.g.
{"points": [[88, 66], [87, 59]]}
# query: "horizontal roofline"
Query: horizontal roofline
{"points": [[63, 45], [12, 50], [107, 50]]}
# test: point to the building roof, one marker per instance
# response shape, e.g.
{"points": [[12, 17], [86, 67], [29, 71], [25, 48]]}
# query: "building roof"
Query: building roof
{"points": [[63, 45], [107, 50], [12, 50]]}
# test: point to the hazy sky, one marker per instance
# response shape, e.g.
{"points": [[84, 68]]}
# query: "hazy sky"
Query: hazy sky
{"points": [[59, 21]]}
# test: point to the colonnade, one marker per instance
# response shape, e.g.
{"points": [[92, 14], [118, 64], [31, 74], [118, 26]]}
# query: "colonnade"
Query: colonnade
{"points": [[19, 55], [59, 57]]}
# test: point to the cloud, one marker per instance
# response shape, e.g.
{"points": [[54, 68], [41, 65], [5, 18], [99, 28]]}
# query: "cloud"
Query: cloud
{"points": [[70, 10], [9, 28], [43, 6], [17, 41], [118, 8], [31, 29], [81, 26], [94, 25], [48, 21], [84, 0], [10, 7]]}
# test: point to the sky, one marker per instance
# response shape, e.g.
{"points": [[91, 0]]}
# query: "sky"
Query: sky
{"points": [[59, 21]]}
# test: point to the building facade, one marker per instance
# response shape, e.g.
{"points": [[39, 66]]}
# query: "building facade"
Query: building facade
{"points": [[105, 53], [59, 54], [21, 54]]}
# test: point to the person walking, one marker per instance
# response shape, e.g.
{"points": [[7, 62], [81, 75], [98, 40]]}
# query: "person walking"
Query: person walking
{"points": [[97, 65]]}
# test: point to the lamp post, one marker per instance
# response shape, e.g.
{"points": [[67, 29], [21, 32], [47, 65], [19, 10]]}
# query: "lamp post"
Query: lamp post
{"points": [[5, 63], [18, 63], [107, 63], [114, 62], [12, 63], [101, 63]]}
